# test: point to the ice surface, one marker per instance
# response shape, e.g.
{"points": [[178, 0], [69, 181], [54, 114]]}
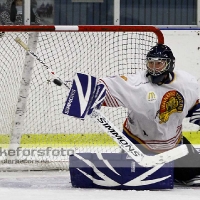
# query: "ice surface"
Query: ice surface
{"points": [[54, 185]]}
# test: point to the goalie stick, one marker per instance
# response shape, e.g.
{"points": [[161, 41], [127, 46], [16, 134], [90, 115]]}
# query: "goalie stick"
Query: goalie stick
{"points": [[131, 149], [56, 80]]}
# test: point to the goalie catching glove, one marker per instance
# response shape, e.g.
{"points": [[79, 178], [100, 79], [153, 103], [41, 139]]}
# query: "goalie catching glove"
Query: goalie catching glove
{"points": [[84, 96]]}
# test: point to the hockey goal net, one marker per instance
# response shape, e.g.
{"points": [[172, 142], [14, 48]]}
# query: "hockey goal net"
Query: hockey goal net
{"points": [[34, 134]]}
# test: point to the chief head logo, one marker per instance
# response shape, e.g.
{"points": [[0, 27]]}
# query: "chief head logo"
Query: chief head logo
{"points": [[172, 102]]}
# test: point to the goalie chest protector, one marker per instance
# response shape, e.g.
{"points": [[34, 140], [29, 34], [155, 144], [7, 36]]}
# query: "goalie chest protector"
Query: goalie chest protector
{"points": [[117, 171]]}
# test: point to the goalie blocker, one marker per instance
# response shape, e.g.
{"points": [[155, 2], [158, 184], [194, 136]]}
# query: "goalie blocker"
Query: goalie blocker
{"points": [[84, 96]]}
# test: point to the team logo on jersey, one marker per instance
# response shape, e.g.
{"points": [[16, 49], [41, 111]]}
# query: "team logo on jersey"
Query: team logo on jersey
{"points": [[172, 102], [151, 97]]}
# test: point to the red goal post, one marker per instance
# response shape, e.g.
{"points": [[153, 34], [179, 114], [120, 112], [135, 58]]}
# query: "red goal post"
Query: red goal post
{"points": [[88, 28], [33, 125]]}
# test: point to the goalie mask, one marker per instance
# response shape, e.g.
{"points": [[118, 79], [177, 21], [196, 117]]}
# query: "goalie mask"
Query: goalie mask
{"points": [[160, 63]]}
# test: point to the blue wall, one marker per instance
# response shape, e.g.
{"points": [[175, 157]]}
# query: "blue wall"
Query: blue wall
{"points": [[68, 13], [133, 12]]}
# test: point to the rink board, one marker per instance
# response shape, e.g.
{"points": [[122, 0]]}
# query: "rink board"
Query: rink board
{"points": [[79, 139]]}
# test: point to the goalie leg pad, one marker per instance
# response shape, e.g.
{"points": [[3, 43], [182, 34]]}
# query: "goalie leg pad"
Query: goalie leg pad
{"points": [[117, 171]]}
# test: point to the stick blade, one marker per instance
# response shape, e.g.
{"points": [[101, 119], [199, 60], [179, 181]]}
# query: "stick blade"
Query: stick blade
{"points": [[165, 157]]}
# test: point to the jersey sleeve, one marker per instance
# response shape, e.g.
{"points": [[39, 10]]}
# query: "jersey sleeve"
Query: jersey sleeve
{"points": [[114, 91], [193, 90]]}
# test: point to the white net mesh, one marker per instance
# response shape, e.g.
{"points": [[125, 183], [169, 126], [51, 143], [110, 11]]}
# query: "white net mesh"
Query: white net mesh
{"points": [[44, 128]]}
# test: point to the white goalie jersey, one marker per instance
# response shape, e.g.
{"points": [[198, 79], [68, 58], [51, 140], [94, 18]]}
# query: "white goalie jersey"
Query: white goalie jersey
{"points": [[155, 113]]}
